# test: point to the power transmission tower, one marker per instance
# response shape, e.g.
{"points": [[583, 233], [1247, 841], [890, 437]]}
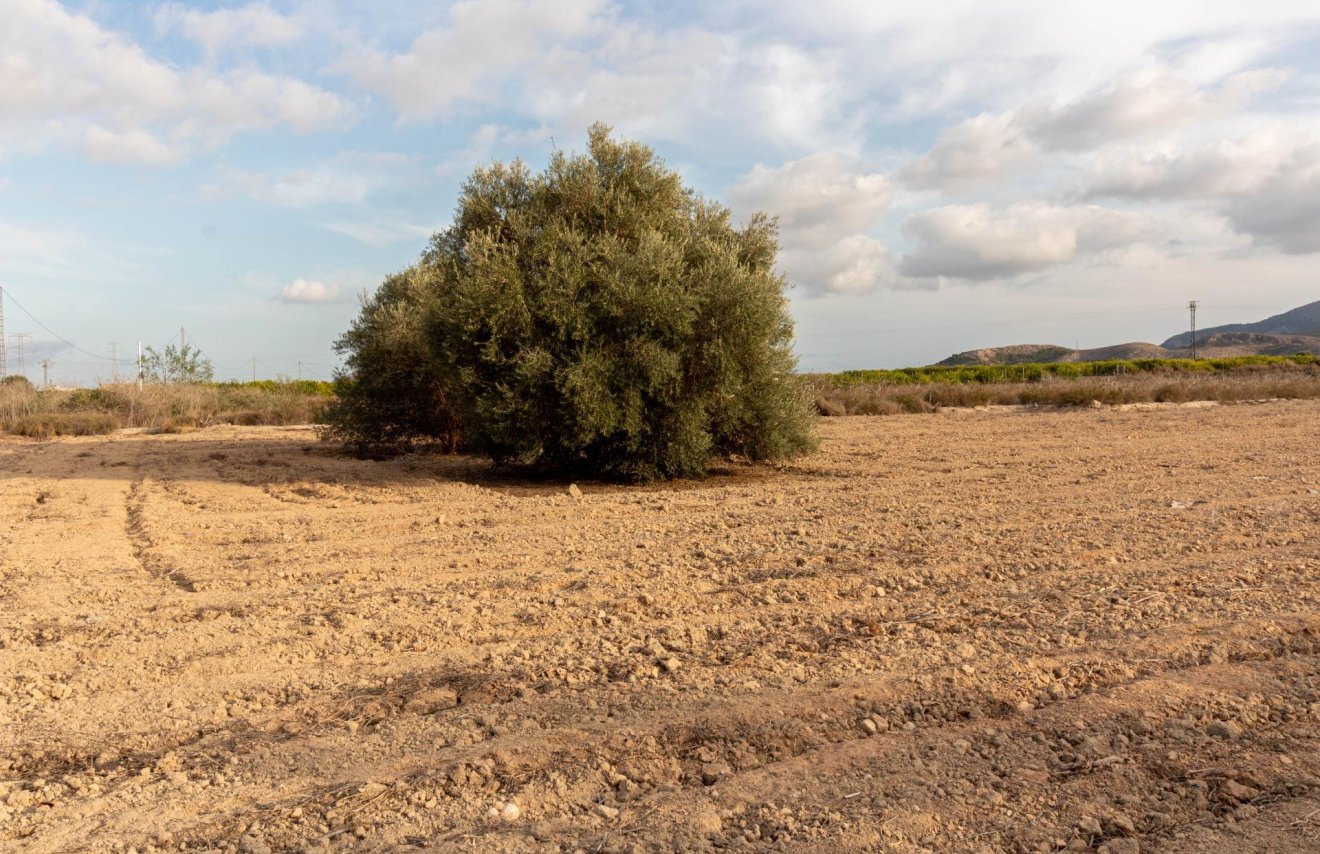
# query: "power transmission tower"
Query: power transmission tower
{"points": [[4, 355], [21, 338], [45, 372], [183, 340], [1191, 307]]}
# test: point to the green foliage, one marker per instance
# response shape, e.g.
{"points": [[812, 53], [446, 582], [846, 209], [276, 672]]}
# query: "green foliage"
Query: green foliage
{"points": [[314, 388], [182, 364], [1036, 372], [598, 317], [393, 392], [16, 380]]}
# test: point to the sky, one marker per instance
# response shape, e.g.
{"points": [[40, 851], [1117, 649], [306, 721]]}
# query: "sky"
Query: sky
{"points": [[947, 176]]}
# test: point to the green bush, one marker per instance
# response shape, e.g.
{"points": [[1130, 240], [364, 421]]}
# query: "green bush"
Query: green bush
{"points": [[598, 317]]}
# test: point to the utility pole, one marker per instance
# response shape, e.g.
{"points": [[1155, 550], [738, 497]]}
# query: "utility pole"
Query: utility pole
{"points": [[141, 365], [22, 338], [300, 371], [45, 372], [114, 361], [183, 340], [4, 356], [254, 368], [1191, 307]]}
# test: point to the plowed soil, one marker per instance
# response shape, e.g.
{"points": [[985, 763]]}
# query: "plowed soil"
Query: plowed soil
{"points": [[976, 631]]}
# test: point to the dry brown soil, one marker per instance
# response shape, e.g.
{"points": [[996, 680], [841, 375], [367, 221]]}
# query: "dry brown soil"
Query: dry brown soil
{"points": [[986, 631]]}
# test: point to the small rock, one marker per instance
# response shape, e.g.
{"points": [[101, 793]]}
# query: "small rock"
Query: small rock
{"points": [[708, 823], [1120, 824], [1120, 846], [713, 772], [1224, 729], [881, 724], [869, 726], [607, 811], [1237, 791], [511, 812], [1089, 826], [431, 700], [574, 491], [670, 664], [253, 845], [966, 650]]}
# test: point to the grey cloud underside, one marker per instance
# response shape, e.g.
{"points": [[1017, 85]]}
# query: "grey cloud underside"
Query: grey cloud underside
{"points": [[1266, 185]]}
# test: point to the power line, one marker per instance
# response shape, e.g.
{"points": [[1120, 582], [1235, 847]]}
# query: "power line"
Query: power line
{"points": [[55, 334]]}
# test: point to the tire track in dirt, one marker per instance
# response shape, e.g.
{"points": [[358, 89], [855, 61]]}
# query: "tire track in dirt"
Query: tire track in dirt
{"points": [[144, 548]]}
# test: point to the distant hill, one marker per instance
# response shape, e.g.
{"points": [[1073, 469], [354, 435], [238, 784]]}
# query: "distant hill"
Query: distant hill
{"points": [[1296, 331], [1303, 320]]}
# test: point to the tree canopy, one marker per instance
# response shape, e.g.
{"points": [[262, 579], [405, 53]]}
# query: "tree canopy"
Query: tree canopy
{"points": [[597, 317]]}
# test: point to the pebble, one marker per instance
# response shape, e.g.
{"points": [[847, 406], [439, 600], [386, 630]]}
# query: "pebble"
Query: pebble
{"points": [[574, 491], [869, 726], [1224, 729], [1120, 846], [708, 822], [607, 811], [511, 812]]}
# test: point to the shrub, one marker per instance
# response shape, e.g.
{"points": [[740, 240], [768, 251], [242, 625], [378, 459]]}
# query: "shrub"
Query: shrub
{"points": [[598, 317], [49, 424]]}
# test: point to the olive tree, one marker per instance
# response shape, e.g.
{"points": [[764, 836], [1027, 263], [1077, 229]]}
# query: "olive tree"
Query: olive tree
{"points": [[598, 317]]}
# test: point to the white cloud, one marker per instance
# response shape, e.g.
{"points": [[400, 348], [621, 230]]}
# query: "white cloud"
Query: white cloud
{"points": [[824, 203], [128, 146], [1267, 185], [67, 80], [1144, 102], [979, 243], [1284, 211], [817, 198], [1214, 170], [310, 291], [381, 233], [985, 147], [349, 178], [854, 264], [254, 25], [485, 42]]}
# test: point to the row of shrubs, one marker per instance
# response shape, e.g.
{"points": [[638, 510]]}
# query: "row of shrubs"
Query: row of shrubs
{"points": [[27, 411], [43, 414], [888, 398], [1038, 371]]}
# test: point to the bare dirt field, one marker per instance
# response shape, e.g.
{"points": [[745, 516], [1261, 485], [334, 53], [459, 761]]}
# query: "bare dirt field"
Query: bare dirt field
{"points": [[969, 631]]}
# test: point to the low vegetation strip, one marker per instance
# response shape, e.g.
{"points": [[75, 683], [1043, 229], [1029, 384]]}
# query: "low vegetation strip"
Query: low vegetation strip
{"points": [[168, 407], [1038, 371], [880, 398]]}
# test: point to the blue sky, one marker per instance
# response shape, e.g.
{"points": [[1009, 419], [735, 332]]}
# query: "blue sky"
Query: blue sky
{"points": [[947, 176]]}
